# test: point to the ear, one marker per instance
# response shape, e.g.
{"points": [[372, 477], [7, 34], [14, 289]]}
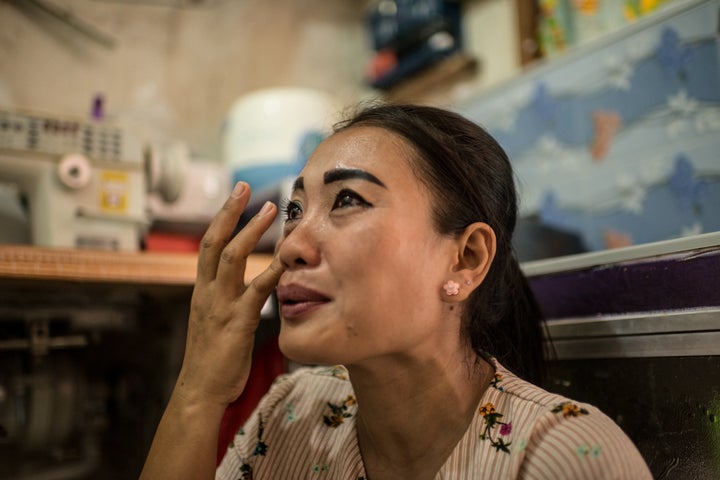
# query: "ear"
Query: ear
{"points": [[475, 253]]}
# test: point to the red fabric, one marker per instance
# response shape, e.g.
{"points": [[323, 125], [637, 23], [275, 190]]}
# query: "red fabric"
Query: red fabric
{"points": [[171, 242], [268, 363]]}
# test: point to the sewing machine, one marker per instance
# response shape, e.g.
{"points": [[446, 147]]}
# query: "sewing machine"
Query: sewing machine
{"points": [[80, 184]]}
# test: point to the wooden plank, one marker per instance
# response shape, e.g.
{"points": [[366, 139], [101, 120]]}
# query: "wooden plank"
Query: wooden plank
{"points": [[528, 14], [438, 77], [151, 268]]}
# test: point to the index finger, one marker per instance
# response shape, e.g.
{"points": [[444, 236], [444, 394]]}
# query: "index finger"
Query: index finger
{"points": [[231, 265]]}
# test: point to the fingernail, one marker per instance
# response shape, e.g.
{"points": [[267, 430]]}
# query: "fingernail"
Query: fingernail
{"points": [[265, 209], [239, 189]]}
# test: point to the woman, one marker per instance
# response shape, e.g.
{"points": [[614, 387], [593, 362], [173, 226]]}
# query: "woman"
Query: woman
{"points": [[396, 263]]}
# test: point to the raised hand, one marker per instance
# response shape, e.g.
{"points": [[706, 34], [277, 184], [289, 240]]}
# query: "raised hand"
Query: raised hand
{"points": [[224, 315], [224, 312]]}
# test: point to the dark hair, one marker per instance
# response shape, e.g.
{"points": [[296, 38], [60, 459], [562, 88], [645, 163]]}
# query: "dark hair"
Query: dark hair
{"points": [[465, 167]]}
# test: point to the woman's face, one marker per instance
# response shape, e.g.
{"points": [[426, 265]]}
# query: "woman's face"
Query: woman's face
{"points": [[364, 263]]}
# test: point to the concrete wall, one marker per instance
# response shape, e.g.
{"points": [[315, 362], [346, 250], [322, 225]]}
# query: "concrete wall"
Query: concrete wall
{"points": [[490, 28], [178, 68]]}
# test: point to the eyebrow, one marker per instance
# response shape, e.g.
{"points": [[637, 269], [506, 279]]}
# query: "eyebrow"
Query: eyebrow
{"points": [[298, 184], [339, 174]]}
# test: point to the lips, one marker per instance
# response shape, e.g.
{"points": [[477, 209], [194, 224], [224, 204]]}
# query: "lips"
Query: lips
{"points": [[296, 300]]}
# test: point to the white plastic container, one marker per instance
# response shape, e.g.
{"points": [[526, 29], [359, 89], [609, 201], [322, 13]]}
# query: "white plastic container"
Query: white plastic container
{"points": [[269, 134]]}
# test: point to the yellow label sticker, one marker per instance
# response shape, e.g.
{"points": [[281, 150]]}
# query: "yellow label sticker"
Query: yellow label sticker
{"points": [[114, 188]]}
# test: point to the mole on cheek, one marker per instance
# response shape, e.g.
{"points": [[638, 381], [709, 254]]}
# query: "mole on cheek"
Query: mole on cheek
{"points": [[351, 331]]}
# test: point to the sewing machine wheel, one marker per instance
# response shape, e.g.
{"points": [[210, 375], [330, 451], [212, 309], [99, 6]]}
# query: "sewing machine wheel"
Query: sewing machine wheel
{"points": [[55, 404], [41, 409], [165, 168]]}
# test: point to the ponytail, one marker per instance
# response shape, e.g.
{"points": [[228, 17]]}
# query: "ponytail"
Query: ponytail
{"points": [[503, 320]]}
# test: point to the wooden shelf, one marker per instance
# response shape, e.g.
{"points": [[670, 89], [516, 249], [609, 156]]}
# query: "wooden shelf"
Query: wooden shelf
{"points": [[140, 268]]}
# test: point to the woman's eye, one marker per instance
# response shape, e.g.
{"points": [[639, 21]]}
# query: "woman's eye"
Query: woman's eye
{"points": [[347, 198], [293, 211]]}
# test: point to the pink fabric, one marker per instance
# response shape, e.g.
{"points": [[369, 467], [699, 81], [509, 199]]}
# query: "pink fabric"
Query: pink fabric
{"points": [[268, 363]]}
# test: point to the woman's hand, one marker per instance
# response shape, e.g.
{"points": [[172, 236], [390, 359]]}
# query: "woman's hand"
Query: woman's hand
{"points": [[224, 312], [223, 317]]}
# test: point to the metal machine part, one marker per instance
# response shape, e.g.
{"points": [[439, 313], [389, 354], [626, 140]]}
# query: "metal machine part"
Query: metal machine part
{"points": [[67, 183], [81, 184], [165, 167], [83, 376], [45, 419], [185, 192]]}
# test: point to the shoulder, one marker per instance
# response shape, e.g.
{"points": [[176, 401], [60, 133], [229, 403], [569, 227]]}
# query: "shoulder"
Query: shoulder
{"points": [[302, 396], [558, 437], [305, 423]]}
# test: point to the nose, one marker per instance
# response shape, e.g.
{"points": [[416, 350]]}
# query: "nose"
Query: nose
{"points": [[299, 246]]}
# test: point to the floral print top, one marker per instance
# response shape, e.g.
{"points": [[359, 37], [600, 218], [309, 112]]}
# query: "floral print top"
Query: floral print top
{"points": [[304, 428]]}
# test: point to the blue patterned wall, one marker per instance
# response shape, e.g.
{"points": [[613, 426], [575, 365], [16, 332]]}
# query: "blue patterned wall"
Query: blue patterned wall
{"points": [[619, 142]]}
